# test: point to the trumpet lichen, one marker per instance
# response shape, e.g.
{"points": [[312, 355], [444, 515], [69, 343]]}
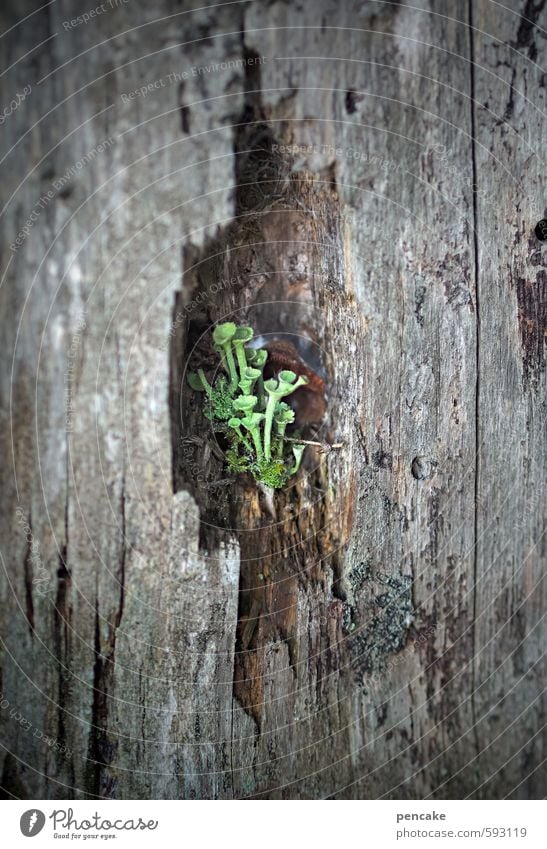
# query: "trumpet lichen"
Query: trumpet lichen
{"points": [[249, 411]]}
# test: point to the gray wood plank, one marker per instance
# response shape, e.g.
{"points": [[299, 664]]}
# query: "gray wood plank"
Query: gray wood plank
{"points": [[509, 55]]}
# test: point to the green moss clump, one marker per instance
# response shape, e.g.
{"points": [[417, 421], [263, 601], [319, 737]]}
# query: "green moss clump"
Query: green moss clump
{"points": [[220, 406], [274, 473]]}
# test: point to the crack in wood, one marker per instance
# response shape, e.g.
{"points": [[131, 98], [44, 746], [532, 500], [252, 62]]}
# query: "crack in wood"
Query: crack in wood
{"points": [[477, 481], [28, 577]]}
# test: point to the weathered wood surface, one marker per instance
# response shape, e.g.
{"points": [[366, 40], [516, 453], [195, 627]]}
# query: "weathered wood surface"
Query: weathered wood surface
{"points": [[368, 177]]}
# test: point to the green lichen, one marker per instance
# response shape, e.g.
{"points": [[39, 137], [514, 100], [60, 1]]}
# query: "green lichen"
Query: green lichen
{"points": [[249, 411]]}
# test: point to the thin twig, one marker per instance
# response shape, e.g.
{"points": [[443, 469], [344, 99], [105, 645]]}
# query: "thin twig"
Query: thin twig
{"points": [[324, 447]]}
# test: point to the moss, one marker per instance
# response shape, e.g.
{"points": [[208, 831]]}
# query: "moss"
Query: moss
{"points": [[220, 406], [273, 473], [236, 462]]}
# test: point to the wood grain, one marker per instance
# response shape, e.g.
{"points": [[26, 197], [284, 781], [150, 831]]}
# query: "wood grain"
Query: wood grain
{"points": [[364, 179]]}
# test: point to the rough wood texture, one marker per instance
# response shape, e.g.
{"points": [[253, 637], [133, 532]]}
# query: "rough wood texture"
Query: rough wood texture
{"points": [[367, 178]]}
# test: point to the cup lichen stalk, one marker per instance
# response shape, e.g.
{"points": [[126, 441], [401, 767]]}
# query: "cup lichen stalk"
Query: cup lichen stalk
{"points": [[257, 359], [236, 423], [248, 379], [240, 338], [222, 337], [199, 383], [283, 417], [298, 451], [252, 423], [278, 389]]}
